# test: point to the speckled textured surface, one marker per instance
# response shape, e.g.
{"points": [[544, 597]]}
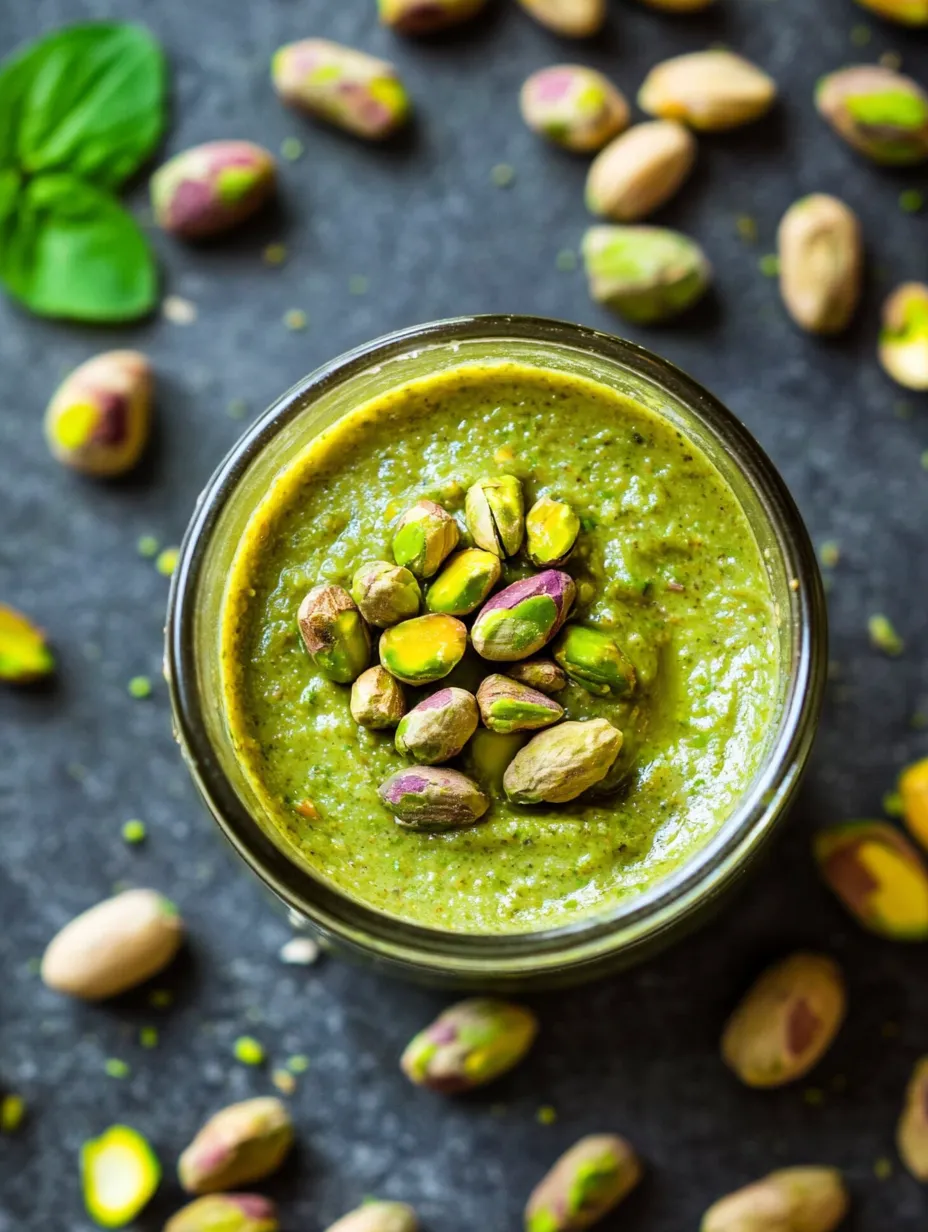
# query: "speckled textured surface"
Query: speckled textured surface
{"points": [[423, 222]]}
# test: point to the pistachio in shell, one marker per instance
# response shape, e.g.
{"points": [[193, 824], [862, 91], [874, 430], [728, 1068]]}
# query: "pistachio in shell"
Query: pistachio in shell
{"points": [[348, 88], [593, 658], [433, 798], [24, 653], [551, 530], [906, 12], [464, 582], [241, 1143], [495, 513], [708, 91], [807, 1199], [821, 263], [573, 106], [212, 188], [377, 700], [878, 111], [98, 419], [904, 337], [561, 763], [385, 593], [641, 170], [521, 619], [423, 650], [540, 674], [334, 633], [469, 1045], [569, 18], [912, 1131], [878, 876], [645, 274], [438, 728], [585, 1184], [508, 706], [423, 537], [427, 16], [226, 1213], [913, 788], [378, 1217]]}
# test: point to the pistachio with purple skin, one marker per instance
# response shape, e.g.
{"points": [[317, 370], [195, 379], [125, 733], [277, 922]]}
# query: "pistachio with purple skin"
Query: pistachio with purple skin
{"points": [[334, 633], [226, 1213], [594, 660], [212, 187], [427, 16], [423, 537], [573, 106], [507, 706], [878, 111], [423, 650], [432, 798], [879, 877], [540, 674], [378, 1217], [551, 530], [464, 583], [438, 728], [239, 1144], [524, 617], [560, 764], [348, 88], [98, 419], [495, 513], [584, 1185], [377, 700], [469, 1045], [385, 593]]}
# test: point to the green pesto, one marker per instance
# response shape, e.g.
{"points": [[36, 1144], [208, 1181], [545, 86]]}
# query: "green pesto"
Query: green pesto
{"points": [[666, 564]]}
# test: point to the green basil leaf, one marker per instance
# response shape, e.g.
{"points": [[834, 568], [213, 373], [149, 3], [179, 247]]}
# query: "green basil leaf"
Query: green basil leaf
{"points": [[69, 249], [88, 100]]}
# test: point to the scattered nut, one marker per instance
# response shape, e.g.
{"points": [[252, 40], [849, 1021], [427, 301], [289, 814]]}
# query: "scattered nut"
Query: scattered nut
{"points": [[98, 419], [239, 1144], [708, 90], [587, 1182], [912, 1131], [646, 274], [226, 1213], [640, 171], [573, 106], [878, 111], [464, 583], [913, 790], [904, 337], [470, 1044], [24, 653], [821, 263], [879, 877], [570, 18], [427, 16], [789, 1200], [348, 88], [378, 1217], [212, 188]]}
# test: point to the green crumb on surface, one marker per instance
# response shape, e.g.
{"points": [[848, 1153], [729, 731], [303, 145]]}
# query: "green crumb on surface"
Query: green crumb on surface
{"points": [[295, 319], [924, 460], [237, 408], [883, 636], [918, 721], [829, 553], [298, 1064], [813, 1096], [148, 1037], [134, 831], [861, 35], [358, 284], [566, 261], [147, 545], [546, 1115], [291, 148], [503, 175], [12, 1113], [139, 686], [274, 254], [167, 561], [769, 265], [284, 1081], [114, 1068], [883, 1168], [892, 804], [248, 1050], [160, 998], [911, 201], [746, 226]]}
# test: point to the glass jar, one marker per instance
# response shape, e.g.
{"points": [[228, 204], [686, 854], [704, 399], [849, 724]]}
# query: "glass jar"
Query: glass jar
{"points": [[633, 928]]}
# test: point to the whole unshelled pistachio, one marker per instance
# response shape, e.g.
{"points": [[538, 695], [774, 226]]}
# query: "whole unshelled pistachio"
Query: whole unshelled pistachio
{"points": [[349, 88], [521, 619], [239, 1144], [540, 674], [24, 653], [438, 728], [907, 12], [433, 798], [423, 650], [904, 337], [593, 658], [98, 419], [573, 106], [913, 788], [821, 263], [212, 187], [378, 1217], [377, 700], [508, 706], [790, 1200], [427, 16], [708, 90], [878, 111], [469, 1045], [551, 530], [587, 1182], [646, 274], [495, 514], [464, 582], [423, 537], [641, 170], [226, 1213], [570, 18], [912, 1131], [560, 764], [334, 633], [385, 593], [878, 875]]}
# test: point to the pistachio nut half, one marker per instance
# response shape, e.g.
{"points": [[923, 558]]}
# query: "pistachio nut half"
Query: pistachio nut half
{"points": [[878, 876], [904, 337], [495, 513], [551, 530], [423, 650], [645, 274], [464, 582]]}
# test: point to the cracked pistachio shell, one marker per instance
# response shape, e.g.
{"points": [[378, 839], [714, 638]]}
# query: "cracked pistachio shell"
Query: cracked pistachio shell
{"points": [[786, 1022], [385, 593], [348, 88], [495, 513], [427, 16], [790, 1200], [573, 106], [594, 660], [821, 263], [423, 650], [641, 170], [489, 753], [551, 530], [560, 764], [878, 876], [464, 583], [226, 1213], [24, 653], [912, 1130], [377, 700], [239, 1144], [334, 633], [378, 1217], [98, 419], [708, 91], [433, 798], [470, 1044], [521, 619], [570, 18], [906, 12], [539, 674], [913, 788], [646, 274], [508, 706], [424, 536], [212, 187], [904, 337], [438, 728], [878, 111], [594, 1176]]}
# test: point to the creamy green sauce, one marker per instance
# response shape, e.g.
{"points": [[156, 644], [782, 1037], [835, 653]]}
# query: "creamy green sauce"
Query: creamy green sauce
{"points": [[666, 561]]}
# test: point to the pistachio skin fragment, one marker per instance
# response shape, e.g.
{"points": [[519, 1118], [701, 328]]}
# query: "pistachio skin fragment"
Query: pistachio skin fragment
{"points": [[786, 1022], [645, 274], [239, 1144], [903, 350], [433, 798], [212, 188], [349, 88], [573, 106], [378, 1217], [521, 619], [820, 245], [808, 1199], [470, 1044], [121, 942], [540, 674], [334, 633], [587, 1182], [427, 16], [569, 18], [423, 537], [438, 728], [640, 171], [878, 111], [913, 788], [708, 90], [912, 1130], [906, 12], [24, 653], [385, 593], [495, 513], [464, 583], [593, 659], [551, 530], [878, 876], [423, 650], [119, 1173], [98, 419], [561, 763], [507, 706], [377, 700], [226, 1213]]}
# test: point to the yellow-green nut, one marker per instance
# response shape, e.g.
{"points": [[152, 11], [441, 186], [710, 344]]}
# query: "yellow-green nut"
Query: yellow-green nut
{"points": [[878, 111], [786, 1022], [469, 1045], [488, 755], [806, 1199], [878, 875], [348, 88], [438, 728], [464, 583], [640, 171], [569, 18], [378, 1217], [561, 763], [377, 700], [594, 660], [226, 1213], [913, 788], [99, 416], [551, 530], [423, 650], [645, 274], [495, 513], [427, 16], [821, 263], [385, 593], [540, 674], [904, 336], [573, 106], [508, 706], [423, 537], [594, 1176], [24, 653], [525, 616], [912, 1131], [708, 91], [906, 12], [239, 1144], [334, 633], [433, 798], [212, 187]]}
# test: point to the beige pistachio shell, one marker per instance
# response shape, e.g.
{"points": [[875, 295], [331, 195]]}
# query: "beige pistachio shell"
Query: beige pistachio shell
{"points": [[587, 1182], [495, 512], [904, 337], [561, 763], [912, 1131], [640, 171], [574, 106], [708, 90], [790, 1200], [98, 419], [377, 700], [226, 1213], [438, 727], [385, 593], [821, 263], [378, 1217], [570, 18], [239, 1144], [424, 535]]}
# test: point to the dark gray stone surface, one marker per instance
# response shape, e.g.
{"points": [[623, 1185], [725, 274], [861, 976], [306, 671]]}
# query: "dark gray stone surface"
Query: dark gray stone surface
{"points": [[422, 221]]}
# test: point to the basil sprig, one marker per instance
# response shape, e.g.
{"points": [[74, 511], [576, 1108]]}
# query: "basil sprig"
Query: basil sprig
{"points": [[80, 111]]}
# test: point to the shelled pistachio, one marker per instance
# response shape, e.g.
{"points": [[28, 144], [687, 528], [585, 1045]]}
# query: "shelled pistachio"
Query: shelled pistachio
{"points": [[906, 12], [24, 653], [464, 582], [98, 419], [433, 798], [913, 788], [878, 875], [645, 274], [427, 16], [593, 658], [551, 530], [212, 188], [573, 106], [348, 88], [226, 1213], [469, 1045], [585, 1184], [507, 706], [878, 111], [376, 1216], [904, 337], [423, 650]]}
